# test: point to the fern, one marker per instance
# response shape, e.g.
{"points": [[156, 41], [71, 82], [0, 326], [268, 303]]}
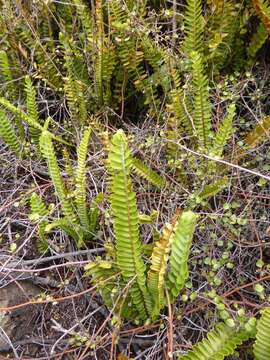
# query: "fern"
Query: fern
{"points": [[72, 229], [80, 181], [259, 134], [4, 67], [144, 171], [178, 264], [224, 132], [219, 343], [126, 225], [32, 109], [256, 42], [94, 212], [47, 149], [262, 343], [202, 110], [158, 267], [194, 27], [29, 120], [213, 189], [7, 133], [182, 108], [39, 213], [262, 8], [223, 27]]}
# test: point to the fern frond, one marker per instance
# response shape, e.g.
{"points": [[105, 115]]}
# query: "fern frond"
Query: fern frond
{"points": [[84, 15], [182, 108], [219, 343], [47, 150], [178, 263], [259, 134], [223, 27], [202, 109], [39, 212], [261, 347], [38, 208], [147, 173], [22, 115], [31, 103], [7, 133], [224, 132], [194, 27], [80, 181], [32, 109], [5, 71], [256, 42], [105, 275], [94, 212], [126, 224], [71, 229], [262, 8], [213, 189], [158, 267]]}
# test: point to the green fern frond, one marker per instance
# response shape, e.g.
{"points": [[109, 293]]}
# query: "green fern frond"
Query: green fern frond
{"points": [[224, 132], [31, 103], [7, 133], [5, 71], [178, 264], [213, 189], [126, 224], [158, 267], [94, 211], [256, 42], [47, 150], [71, 229], [39, 212], [222, 28], [23, 116], [38, 208], [32, 109], [84, 15], [182, 108], [219, 343], [202, 108], [80, 181], [194, 27], [74, 88], [147, 173], [262, 344], [105, 275]]}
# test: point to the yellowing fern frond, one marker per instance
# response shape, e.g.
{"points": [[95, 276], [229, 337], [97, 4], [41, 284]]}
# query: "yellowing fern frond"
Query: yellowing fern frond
{"points": [[158, 267], [262, 8], [178, 264]]}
